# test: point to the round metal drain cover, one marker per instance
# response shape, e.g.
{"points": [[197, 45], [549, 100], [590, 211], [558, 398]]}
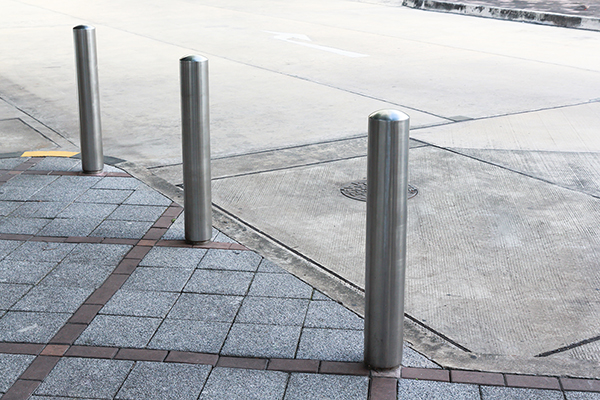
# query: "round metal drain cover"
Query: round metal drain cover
{"points": [[358, 190]]}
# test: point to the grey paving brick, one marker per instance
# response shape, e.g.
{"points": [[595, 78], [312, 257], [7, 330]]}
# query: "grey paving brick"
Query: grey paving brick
{"points": [[57, 398], [23, 187], [501, 393], [234, 260], [7, 246], [240, 384], [433, 390], [52, 299], [279, 285], [81, 275], [31, 272], [10, 163], [57, 164], [122, 229], [99, 253], [41, 251], [219, 282], [331, 387], [108, 196], [331, 344], [85, 377], [127, 212], [70, 227], [250, 340], [329, 314], [65, 188], [119, 331], [187, 335], [39, 209], [30, 327], [205, 307], [270, 267], [22, 226], [11, 293], [16, 193], [7, 207], [85, 210], [272, 311], [410, 358], [172, 257], [147, 197], [150, 380], [582, 396], [113, 182], [140, 303], [12, 366], [158, 279]]}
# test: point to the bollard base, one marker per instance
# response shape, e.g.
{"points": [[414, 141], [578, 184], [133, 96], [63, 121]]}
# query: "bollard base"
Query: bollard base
{"points": [[197, 242], [395, 372], [93, 172]]}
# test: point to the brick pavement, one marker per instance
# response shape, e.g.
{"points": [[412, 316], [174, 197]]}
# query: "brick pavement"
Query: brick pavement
{"points": [[101, 298]]}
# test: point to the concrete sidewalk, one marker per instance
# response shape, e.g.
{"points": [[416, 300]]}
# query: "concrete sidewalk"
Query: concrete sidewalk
{"points": [[101, 298], [563, 13]]}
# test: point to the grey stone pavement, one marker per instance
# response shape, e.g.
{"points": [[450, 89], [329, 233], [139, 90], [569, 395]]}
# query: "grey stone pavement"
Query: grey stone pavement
{"points": [[101, 298]]}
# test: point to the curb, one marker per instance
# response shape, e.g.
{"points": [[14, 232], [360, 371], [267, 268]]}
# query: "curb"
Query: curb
{"points": [[535, 17]]}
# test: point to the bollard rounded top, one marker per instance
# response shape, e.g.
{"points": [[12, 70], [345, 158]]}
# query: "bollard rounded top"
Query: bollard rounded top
{"points": [[389, 115], [194, 58], [84, 27]]}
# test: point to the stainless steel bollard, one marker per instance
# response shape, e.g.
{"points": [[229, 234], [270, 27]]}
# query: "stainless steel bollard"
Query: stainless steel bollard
{"points": [[196, 148], [92, 157], [387, 194]]}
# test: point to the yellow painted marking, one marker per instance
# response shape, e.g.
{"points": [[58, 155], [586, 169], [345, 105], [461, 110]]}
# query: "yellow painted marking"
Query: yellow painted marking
{"points": [[49, 153]]}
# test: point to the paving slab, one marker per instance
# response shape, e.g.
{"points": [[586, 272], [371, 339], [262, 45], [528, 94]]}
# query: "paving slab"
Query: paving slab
{"points": [[331, 344], [12, 365], [119, 331], [188, 335], [99, 253], [273, 311], [42, 252], [492, 392], [81, 377], [432, 390], [164, 381], [11, 293], [244, 384], [77, 275], [252, 340], [52, 299], [173, 258], [219, 282], [159, 279], [30, 327], [302, 386], [140, 303], [206, 307], [12, 271], [236, 260]]}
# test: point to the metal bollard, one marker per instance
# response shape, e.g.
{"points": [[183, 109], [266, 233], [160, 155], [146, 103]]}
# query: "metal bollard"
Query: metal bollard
{"points": [[387, 194], [92, 158], [196, 148]]}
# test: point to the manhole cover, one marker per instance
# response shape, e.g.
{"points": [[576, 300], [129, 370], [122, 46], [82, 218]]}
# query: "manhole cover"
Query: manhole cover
{"points": [[358, 190]]}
